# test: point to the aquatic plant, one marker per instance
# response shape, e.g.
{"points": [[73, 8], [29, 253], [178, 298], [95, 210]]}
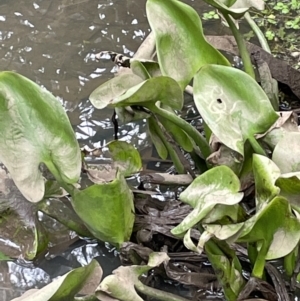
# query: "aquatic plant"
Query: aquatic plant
{"points": [[255, 144]]}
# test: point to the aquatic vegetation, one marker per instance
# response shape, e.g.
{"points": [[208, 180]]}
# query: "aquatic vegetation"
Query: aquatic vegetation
{"points": [[280, 22], [255, 144]]}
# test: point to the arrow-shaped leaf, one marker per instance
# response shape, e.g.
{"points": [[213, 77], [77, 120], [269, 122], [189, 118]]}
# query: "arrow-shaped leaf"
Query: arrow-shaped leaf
{"points": [[35, 129], [107, 210], [218, 185], [228, 96], [180, 42]]}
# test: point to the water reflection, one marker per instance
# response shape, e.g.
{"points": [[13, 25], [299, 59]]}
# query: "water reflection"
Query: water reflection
{"points": [[18, 277], [54, 43]]}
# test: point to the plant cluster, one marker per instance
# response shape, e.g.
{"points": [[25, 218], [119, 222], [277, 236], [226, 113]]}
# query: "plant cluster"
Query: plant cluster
{"points": [[246, 141], [280, 23]]}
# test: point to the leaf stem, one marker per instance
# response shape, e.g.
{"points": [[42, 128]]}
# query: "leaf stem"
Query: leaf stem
{"points": [[213, 253], [259, 266], [86, 298], [172, 153], [256, 146], [157, 294], [190, 130], [262, 40], [52, 168], [241, 45]]}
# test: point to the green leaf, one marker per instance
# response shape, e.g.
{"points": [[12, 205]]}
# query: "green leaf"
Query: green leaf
{"points": [[180, 42], [265, 174], [233, 212], [162, 88], [152, 68], [107, 210], [58, 210], [274, 230], [228, 96], [124, 282], [285, 123], [129, 114], [66, 286], [289, 185], [177, 133], [126, 157], [286, 154], [228, 275], [139, 69], [35, 129], [218, 185], [276, 225], [156, 139], [104, 94]]}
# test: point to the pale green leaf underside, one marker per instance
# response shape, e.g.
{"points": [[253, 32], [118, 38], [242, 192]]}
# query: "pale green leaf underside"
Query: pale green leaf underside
{"points": [[35, 129], [265, 174], [286, 154], [105, 93], [124, 282]]}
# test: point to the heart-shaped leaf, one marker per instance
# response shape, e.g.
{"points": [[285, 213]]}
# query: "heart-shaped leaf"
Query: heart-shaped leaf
{"points": [[126, 157], [218, 185], [139, 69], [35, 129], [104, 94], [124, 282], [107, 210], [289, 185], [180, 42], [286, 154], [276, 225], [287, 122], [66, 286], [265, 174], [228, 96], [162, 88]]}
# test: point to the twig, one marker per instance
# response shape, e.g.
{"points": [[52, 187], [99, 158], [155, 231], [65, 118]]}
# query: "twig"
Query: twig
{"points": [[167, 179]]}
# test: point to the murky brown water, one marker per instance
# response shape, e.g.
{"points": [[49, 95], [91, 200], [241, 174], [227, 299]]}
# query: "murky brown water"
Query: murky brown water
{"points": [[54, 42]]}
